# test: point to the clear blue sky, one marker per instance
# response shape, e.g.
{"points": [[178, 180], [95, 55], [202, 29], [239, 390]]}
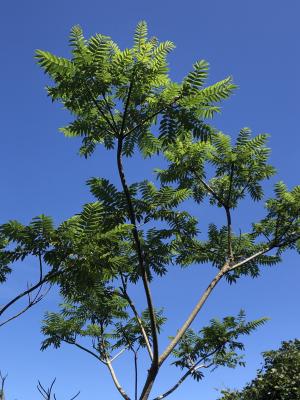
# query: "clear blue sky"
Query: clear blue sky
{"points": [[255, 41]]}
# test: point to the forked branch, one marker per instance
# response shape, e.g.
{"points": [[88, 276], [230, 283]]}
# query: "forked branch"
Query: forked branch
{"points": [[47, 393]]}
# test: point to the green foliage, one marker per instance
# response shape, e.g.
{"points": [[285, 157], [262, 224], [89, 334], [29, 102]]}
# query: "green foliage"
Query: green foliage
{"points": [[215, 345], [95, 83], [278, 378], [238, 169]]}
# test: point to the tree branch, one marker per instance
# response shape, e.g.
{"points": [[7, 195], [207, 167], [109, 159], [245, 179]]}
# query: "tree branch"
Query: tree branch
{"points": [[47, 278], [101, 112], [3, 379], [193, 315], [181, 380], [110, 112], [225, 205], [118, 354], [46, 393], [131, 214], [192, 369], [208, 188], [229, 235], [228, 215], [243, 262], [154, 365], [150, 117], [81, 348], [115, 380], [135, 375], [30, 304], [139, 321]]}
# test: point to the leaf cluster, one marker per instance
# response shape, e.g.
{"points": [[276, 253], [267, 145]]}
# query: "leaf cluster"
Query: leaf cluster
{"points": [[113, 92], [214, 345]]}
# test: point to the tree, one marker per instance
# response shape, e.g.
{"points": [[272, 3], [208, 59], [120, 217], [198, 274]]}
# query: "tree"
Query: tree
{"points": [[125, 101], [2, 379], [46, 394], [278, 378]]}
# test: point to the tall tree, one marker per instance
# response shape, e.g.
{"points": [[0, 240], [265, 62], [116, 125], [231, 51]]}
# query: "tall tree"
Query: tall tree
{"points": [[125, 101]]}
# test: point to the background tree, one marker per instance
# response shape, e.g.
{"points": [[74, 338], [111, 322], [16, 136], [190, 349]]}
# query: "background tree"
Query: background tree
{"points": [[278, 378], [2, 384], [126, 101]]}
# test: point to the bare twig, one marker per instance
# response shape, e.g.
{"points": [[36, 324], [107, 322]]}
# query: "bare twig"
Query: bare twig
{"points": [[31, 301], [3, 379], [30, 304], [46, 278], [47, 393]]}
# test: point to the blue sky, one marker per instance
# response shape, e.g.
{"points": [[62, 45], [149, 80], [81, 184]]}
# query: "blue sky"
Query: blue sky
{"points": [[256, 42]]}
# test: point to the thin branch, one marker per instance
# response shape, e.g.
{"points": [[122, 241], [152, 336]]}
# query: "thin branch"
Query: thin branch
{"points": [[150, 117], [246, 260], [126, 106], [229, 234], [230, 184], [194, 367], [110, 112], [107, 106], [226, 207], [228, 215], [47, 278], [118, 354], [3, 379], [29, 305], [81, 348], [191, 370], [31, 302], [101, 112], [138, 318], [135, 375], [46, 393], [208, 188]]}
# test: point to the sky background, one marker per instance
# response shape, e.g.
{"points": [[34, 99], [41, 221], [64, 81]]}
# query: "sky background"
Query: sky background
{"points": [[255, 41]]}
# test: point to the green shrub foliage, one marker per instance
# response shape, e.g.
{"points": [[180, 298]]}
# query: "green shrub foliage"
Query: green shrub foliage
{"points": [[278, 378]]}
